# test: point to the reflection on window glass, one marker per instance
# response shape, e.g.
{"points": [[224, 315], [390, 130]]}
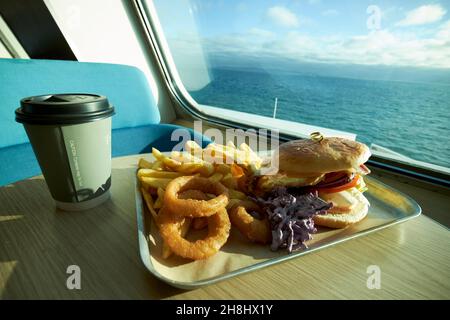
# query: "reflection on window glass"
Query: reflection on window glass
{"points": [[377, 69], [4, 53]]}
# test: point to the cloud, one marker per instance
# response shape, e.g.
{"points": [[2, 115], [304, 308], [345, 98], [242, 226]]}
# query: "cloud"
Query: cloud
{"points": [[423, 15], [382, 47], [427, 47], [261, 33], [330, 13], [282, 17], [444, 32]]}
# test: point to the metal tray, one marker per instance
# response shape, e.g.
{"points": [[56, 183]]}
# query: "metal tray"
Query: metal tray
{"points": [[388, 207]]}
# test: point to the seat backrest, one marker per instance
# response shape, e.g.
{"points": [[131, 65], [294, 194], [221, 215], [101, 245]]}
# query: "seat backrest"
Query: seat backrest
{"points": [[125, 86]]}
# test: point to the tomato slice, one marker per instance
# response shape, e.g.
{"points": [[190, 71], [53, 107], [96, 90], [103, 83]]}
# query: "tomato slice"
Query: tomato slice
{"points": [[333, 176], [364, 170], [343, 187]]}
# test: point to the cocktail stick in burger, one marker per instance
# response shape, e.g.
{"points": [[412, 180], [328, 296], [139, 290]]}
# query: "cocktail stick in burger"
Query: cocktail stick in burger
{"points": [[334, 167]]}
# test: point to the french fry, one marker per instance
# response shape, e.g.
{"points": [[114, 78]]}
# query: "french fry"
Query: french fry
{"points": [[161, 192], [158, 165], [149, 202], [165, 159], [230, 144], [158, 174], [176, 155], [222, 168], [194, 149], [229, 181], [221, 154], [243, 154], [251, 157], [144, 164], [205, 169], [160, 200], [211, 155], [189, 167], [170, 163], [232, 203], [216, 177], [157, 154], [246, 148], [235, 194], [179, 156], [166, 251], [158, 203], [153, 182], [229, 154], [184, 157]]}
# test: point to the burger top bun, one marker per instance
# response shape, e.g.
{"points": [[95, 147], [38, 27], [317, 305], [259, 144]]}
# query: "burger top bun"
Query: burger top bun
{"points": [[311, 157]]}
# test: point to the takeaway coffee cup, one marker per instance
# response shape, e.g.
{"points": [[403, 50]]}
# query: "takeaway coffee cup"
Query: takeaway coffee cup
{"points": [[71, 137]]}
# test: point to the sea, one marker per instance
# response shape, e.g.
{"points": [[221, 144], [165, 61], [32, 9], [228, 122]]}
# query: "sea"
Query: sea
{"points": [[411, 118]]}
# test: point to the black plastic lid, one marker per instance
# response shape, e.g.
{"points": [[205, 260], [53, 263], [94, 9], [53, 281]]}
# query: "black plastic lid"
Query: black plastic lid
{"points": [[67, 108]]}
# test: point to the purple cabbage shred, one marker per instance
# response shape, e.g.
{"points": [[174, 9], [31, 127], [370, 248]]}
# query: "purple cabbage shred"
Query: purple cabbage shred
{"points": [[290, 217]]}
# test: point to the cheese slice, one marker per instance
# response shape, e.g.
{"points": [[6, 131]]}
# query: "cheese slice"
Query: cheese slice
{"points": [[281, 180], [344, 201]]}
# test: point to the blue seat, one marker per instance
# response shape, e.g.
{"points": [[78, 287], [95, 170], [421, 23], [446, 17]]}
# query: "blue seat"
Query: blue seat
{"points": [[136, 125]]}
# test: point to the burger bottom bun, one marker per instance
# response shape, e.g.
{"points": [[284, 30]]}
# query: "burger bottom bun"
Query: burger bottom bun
{"points": [[342, 220]]}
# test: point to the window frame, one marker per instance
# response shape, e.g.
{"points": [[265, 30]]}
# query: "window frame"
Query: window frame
{"points": [[147, 16], [38, 38]]}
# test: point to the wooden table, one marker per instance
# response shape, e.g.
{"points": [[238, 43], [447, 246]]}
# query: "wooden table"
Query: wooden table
{"points": [[38, 243]]}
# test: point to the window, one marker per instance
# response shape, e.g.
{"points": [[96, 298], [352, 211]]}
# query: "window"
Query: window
{"points": [[378, 70]]}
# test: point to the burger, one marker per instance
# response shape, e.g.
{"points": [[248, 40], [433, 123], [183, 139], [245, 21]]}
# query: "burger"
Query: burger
{"points": [[328, 172]]}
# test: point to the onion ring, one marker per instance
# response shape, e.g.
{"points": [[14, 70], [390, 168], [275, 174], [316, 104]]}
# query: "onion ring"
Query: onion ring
{"points": [[218, 231], [193, 194], [254, 229], [197, 223], [191, 207]]}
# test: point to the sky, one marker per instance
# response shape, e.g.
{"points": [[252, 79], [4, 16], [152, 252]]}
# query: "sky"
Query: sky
{"points": [[390, 33]]}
